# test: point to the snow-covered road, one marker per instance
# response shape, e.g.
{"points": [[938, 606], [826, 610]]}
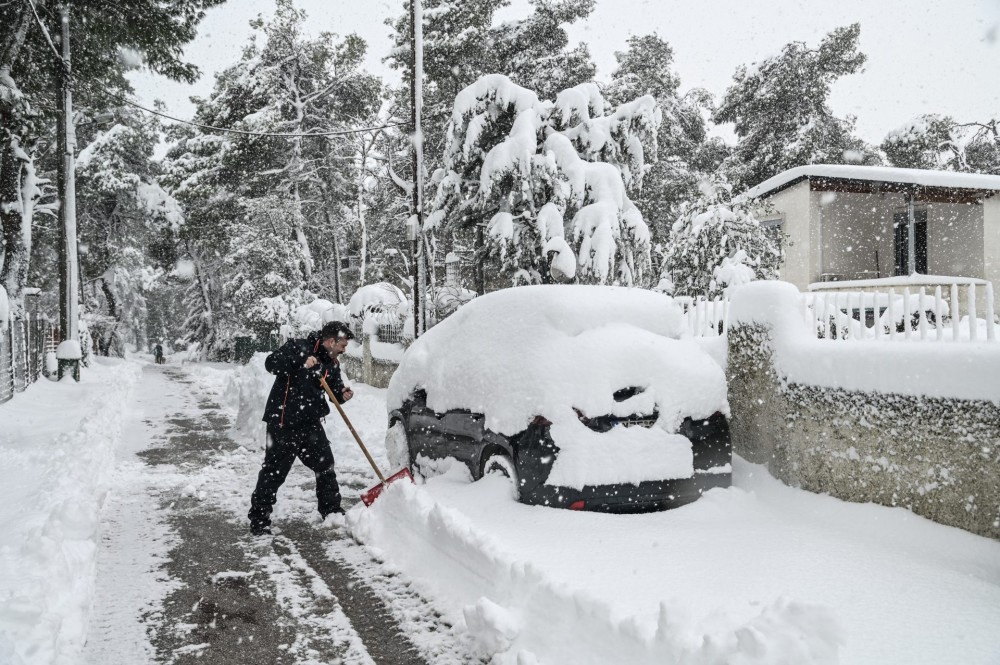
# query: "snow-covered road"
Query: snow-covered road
{"points": [[759, 573]]}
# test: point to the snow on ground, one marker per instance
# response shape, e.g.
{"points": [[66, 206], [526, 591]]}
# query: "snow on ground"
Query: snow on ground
{"points": [[759, 573], [756, 573], [57, 444]]}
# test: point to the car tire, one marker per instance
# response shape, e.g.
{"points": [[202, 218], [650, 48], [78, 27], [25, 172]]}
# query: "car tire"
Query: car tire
{"points": [[397, 448], [503, 465]]}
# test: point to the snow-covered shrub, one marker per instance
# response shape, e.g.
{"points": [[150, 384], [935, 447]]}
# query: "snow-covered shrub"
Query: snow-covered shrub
{"points": [[549, 181], [718, 244]]}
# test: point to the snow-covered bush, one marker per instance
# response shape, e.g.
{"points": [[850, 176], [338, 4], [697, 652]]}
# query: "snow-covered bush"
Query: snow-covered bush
{"points": [[549, 181], [718, 244]]}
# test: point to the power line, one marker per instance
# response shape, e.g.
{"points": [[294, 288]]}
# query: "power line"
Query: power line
{"points": [[341, 132], [242, 132]]}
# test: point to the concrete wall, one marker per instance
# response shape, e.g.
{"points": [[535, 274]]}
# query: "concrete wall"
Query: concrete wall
{"points": [[939, 457], [792, 206], [955, 240], [855, 227], [991, 246]]}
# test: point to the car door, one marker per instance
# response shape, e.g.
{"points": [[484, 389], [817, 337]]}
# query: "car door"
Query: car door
{"points": [[457, 434]]}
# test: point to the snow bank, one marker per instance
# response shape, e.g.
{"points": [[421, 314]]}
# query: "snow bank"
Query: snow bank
{"points": [[967, 370], [55, 476], [519, 614], [554, 349]]}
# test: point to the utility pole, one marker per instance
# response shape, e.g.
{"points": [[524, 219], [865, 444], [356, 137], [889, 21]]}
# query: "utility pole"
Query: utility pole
{"points": [[416, 223], [68, 272]]}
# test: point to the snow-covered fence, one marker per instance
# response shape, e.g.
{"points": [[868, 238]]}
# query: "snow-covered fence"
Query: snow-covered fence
{"points": [[913, 425], [23, 345], [704, 317], [955, 311]]}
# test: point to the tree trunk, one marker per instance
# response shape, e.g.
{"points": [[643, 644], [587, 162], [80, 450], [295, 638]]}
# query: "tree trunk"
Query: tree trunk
{"points": [[16, 179], [337, 288]]}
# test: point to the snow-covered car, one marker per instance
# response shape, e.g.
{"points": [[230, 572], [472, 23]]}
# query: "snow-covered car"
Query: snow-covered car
{"points": [[584, 396]]}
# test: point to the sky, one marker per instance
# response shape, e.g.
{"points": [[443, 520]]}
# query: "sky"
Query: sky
{"points": [[924, 56]]}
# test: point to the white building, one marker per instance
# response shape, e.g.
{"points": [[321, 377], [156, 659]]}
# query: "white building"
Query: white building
{"points": [[842, 222]]}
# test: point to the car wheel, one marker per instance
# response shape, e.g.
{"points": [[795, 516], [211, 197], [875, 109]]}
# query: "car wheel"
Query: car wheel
{"points": [[396, 447], [502, 465]]}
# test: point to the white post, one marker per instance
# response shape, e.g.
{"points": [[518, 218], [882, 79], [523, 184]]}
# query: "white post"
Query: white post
{"points": [[892, 314], [876, 320], [906, 313], [850, 314], [973, 323], [956, 312], [938, 313], [922, 313], [991, 333]]}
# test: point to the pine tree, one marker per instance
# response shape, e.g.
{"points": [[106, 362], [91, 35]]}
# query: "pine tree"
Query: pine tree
{"points": [[779, 107], [718, 243], [940, 142], [525, 168], [685, 151]]}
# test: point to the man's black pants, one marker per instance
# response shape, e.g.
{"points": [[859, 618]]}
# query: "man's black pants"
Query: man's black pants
{"points": [[311, 446]]}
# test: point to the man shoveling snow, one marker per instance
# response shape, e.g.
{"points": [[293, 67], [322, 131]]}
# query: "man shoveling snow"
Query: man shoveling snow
{"points": [[294, 413]]}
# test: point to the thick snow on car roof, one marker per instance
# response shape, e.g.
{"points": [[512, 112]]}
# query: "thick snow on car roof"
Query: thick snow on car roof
{"points": [[547, 350]]}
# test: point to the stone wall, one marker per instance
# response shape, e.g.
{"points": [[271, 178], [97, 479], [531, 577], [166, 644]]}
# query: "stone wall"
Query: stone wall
{"points": [[939, 457]]}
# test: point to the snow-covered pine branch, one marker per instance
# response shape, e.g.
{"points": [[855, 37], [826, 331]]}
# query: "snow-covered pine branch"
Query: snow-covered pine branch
{"points": [[548, 180]]}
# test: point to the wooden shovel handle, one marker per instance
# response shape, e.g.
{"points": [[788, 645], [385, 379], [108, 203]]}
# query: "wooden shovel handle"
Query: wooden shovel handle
{"points": [[333, 398]]}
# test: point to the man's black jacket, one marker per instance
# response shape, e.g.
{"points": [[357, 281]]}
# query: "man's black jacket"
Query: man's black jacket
{"points": [[297, 399]]}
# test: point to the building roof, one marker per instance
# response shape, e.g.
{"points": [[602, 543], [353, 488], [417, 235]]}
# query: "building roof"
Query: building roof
{"points": [[875, 175]]}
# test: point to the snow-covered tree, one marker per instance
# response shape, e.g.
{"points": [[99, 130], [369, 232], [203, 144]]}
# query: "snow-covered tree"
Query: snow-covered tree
{"points": [[264, 280], [685, 152], [781, 115], [549, 181], [121, 213], [940, 142], [718, 244], [151, 31]]}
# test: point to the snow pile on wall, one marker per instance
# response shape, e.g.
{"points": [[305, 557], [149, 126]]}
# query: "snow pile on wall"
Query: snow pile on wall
{"points": [[313, 316], [378, 297], [518, 615], [50, 500], [552, 349], [925, 369]]}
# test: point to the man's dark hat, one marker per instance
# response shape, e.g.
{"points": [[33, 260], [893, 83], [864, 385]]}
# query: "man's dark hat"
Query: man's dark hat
{"points": [[337, 330]]}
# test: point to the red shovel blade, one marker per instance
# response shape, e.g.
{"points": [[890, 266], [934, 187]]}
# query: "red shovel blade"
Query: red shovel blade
{"points": [[368, 498]]}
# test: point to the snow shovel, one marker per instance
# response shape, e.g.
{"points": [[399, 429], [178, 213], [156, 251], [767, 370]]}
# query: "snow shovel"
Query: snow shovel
{"points": [[368, 498]]}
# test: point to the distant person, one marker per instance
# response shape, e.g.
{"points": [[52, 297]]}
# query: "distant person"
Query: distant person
{"points": [[158, 353], [294, 413]]}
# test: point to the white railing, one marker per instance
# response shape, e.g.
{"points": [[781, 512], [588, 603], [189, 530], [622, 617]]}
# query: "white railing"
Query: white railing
{"points": [[704, 317], [935, 312]]}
